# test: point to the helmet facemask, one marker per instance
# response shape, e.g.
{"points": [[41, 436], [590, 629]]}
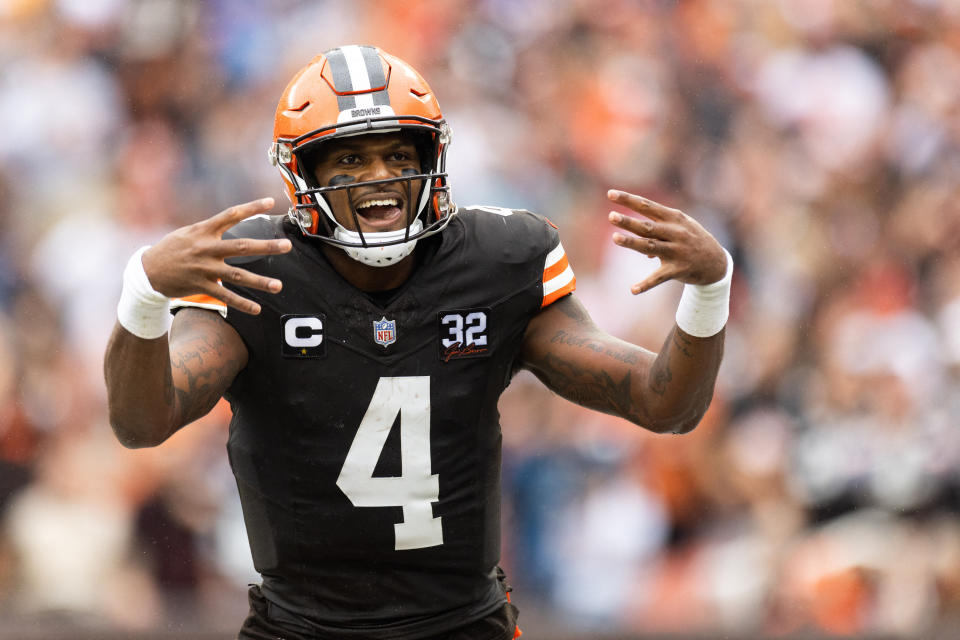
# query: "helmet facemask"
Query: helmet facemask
{"points": [[426, 201]]}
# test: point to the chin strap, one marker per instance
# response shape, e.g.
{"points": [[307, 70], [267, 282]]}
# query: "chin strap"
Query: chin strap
{"points": [[378, 256]]}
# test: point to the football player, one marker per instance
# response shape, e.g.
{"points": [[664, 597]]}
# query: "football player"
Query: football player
{"points": [[363, 339]]}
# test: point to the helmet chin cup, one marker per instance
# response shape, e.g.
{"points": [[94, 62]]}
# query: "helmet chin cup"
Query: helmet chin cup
{"points": [[382, 254]]}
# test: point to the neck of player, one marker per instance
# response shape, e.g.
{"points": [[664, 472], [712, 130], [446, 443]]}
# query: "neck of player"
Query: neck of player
{"points": [[367, 278]]}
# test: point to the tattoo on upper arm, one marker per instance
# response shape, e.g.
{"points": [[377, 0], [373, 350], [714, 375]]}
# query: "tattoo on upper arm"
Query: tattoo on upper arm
{"points": [[562, 337], [204, 366], [195, 376], [623, 356], [608, 389], [574, 340], [572, 308], [652, 390]]}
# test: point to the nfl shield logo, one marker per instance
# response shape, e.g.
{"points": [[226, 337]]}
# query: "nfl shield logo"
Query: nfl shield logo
{"points": [[385, 331]]}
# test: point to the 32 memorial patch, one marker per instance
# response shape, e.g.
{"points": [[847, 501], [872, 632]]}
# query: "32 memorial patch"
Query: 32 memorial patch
{"points": [[464, 333], [302, 336]]}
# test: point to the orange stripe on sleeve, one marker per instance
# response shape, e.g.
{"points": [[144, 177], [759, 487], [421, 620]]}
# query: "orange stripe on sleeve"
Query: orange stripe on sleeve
{"points": [[558, 267], [558, 278], [200, 301], [559, 293], [202, 298]]}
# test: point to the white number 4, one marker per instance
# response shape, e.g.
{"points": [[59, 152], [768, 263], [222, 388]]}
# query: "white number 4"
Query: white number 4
{"points": [[416, 488]]}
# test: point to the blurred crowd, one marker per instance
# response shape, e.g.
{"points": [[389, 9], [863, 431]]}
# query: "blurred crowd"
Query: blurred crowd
{"points": [[819, 140]]}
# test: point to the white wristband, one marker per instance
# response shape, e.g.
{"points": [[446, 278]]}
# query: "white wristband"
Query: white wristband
{"points": [[704, 308], [142, 310]]}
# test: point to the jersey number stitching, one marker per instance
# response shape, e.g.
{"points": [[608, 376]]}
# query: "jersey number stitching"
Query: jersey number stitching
{"points": [[416, 488]]}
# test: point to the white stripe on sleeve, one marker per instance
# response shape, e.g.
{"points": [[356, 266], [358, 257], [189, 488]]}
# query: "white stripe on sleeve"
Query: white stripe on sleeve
{"points": [[558, 282], [554, 256]]}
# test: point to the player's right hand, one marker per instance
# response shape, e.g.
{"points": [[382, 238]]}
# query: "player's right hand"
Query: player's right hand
{"points": [[191, 260]]}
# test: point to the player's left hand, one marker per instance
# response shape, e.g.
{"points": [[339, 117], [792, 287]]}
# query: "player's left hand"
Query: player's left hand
{"points": [[686, 250]]}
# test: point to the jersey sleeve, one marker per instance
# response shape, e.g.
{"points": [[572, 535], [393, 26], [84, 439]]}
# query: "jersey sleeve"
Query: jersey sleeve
{"points": [[558, 277], [199, 301], [526, 250], [543, 239]]}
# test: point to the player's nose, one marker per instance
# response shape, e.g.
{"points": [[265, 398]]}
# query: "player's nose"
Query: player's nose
{"points": [[379, 169]]}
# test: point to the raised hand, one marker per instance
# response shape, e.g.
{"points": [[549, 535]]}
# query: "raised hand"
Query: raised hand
{"points": [[687, 251], [191, 259]]}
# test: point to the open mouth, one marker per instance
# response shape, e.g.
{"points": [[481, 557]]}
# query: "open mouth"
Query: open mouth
{"points": [[381, 213]]}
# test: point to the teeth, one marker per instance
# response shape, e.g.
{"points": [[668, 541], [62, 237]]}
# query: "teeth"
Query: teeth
{"points": [[387, 202]]}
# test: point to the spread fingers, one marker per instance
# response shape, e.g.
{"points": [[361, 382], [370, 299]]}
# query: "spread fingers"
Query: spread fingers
{"points": [[237, 213], [642, 205], [652, 247], [243, 278], [640, 226], [658, 277], [251, 247]]}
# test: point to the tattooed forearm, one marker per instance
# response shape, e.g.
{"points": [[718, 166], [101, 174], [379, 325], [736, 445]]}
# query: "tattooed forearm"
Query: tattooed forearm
{"points": [[660, 374], [667, 391], [683, 344], [601, 391]]}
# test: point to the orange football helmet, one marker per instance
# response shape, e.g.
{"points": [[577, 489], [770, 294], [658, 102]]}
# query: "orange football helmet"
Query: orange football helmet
{"points": [[354, 90]]}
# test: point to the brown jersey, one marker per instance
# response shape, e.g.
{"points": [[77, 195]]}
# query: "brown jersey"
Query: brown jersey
{"points": [[365, 437]]}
